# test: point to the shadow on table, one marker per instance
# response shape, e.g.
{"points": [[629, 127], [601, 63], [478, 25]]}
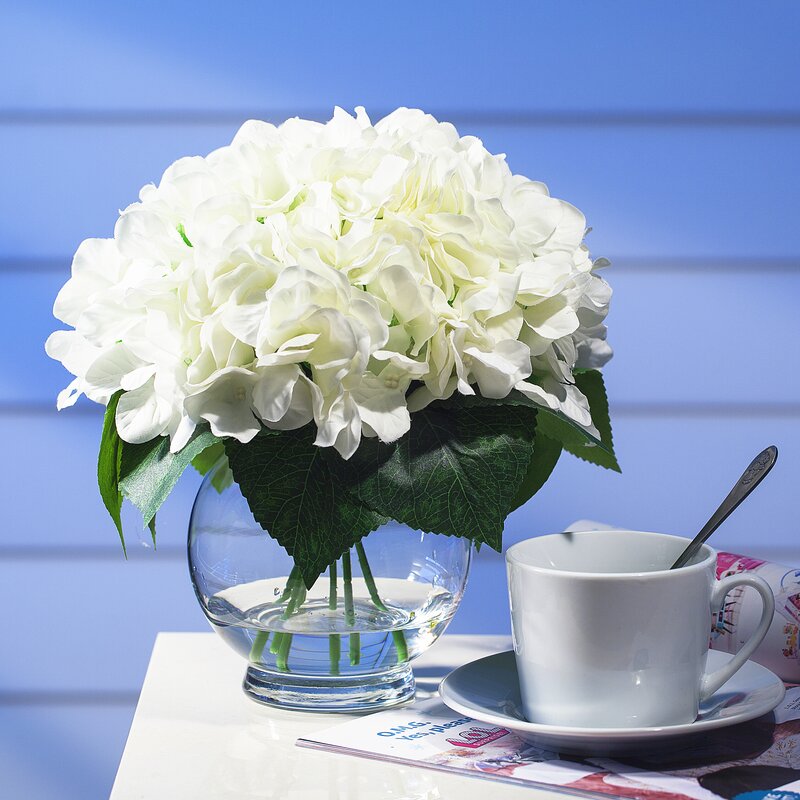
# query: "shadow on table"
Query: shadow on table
{"points": [[428, 679]]}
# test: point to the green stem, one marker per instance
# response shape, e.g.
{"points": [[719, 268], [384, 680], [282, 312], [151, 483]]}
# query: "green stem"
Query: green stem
{"points": [[277, 639], [401, 646], [259, 643], [349, 610], [355, 649], [368, 578], [296, 600], [332, 591], [334, 642], [295, 592], [335, 651], [347, 574], [282, 656], [399, 637], [290, 582]]}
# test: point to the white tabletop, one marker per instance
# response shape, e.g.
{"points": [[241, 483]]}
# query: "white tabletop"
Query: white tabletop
{"points": [[196, 735]]}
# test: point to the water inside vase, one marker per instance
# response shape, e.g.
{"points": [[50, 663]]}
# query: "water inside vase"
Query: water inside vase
{"points": [[321, 640]]}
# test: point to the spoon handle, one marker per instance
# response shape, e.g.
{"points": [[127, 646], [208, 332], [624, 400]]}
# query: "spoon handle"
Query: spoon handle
{"points": [[752, 476]]}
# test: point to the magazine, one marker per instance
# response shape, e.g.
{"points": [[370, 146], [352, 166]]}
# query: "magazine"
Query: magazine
{"points": [[739, 616], [757, 760]]}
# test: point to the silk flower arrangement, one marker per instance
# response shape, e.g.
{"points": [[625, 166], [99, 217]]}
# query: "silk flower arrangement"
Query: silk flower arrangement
{"points": [[369, 322]]}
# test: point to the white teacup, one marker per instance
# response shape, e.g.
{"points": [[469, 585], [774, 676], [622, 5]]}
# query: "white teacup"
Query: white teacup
{"points": [[607, 636]]}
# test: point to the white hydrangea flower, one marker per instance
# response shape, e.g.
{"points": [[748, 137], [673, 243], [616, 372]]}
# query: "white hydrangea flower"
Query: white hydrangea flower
{"points": [[345, 273]]}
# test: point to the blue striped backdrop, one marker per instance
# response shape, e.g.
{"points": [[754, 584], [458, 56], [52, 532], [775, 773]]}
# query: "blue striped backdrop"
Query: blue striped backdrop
{"points": [[673, 125]]}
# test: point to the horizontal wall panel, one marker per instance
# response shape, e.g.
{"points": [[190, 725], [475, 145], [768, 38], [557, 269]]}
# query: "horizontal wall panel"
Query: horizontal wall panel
{"points": [[703, 338], [689, 337], [675, 471], [69, 752], [651, 193], [484, 608], [89, 626], [572, 55]]}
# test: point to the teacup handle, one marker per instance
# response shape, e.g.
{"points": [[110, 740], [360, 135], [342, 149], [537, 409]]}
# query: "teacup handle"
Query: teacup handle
{"points": [[712, 681]]}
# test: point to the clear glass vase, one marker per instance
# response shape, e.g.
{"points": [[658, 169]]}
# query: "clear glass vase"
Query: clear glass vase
{"points": [[347, 643]]}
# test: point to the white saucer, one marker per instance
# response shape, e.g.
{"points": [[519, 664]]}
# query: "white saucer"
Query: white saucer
{"points": [[488, 690]]}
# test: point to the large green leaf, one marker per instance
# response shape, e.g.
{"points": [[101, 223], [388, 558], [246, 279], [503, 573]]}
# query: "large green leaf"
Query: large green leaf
{"points": [[516, 398], [573, 439], [108, 466], [149, 471], [295, 492], [455, 472], [543, 461]]}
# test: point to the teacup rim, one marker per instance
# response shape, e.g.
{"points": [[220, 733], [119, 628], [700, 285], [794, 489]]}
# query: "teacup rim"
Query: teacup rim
{"points": [[710, 559]]}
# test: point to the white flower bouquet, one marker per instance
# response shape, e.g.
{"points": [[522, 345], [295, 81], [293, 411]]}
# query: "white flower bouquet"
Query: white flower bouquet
{"points": [[369, 322]]}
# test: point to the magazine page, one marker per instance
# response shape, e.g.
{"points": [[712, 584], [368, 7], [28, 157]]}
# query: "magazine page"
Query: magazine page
{"points": [[752, 761]]}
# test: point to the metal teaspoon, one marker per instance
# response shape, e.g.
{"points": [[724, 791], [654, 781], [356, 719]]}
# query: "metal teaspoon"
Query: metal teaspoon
{"points": [[752, 476]]}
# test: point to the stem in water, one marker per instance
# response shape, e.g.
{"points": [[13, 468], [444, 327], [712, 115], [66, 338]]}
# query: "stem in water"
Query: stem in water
{"points": [[259, 643], [349, 610], [334, 642], [399, 638], [295, 591], [282, 657]]}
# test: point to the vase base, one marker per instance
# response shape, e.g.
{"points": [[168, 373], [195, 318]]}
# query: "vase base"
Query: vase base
{"points": [[325, 694]]}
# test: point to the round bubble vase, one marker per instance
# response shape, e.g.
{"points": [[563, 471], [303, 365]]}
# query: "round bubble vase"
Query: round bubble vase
{"points": [[347, 643]]}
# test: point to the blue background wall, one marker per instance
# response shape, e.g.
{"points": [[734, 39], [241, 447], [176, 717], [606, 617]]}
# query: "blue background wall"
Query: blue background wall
{"points": [[673, 126]]}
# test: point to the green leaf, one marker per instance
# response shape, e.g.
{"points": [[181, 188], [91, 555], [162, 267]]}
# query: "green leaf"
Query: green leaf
{"points": [[149, 471], [207, 460], [296, 494], [575, 440], [592, 385], [543, 461], [516, 398], [223, 477], [455, 472], [108, 466]]}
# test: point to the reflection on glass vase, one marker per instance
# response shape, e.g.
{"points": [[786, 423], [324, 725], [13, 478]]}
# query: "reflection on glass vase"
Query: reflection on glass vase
{"points": [[347, 643]]}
